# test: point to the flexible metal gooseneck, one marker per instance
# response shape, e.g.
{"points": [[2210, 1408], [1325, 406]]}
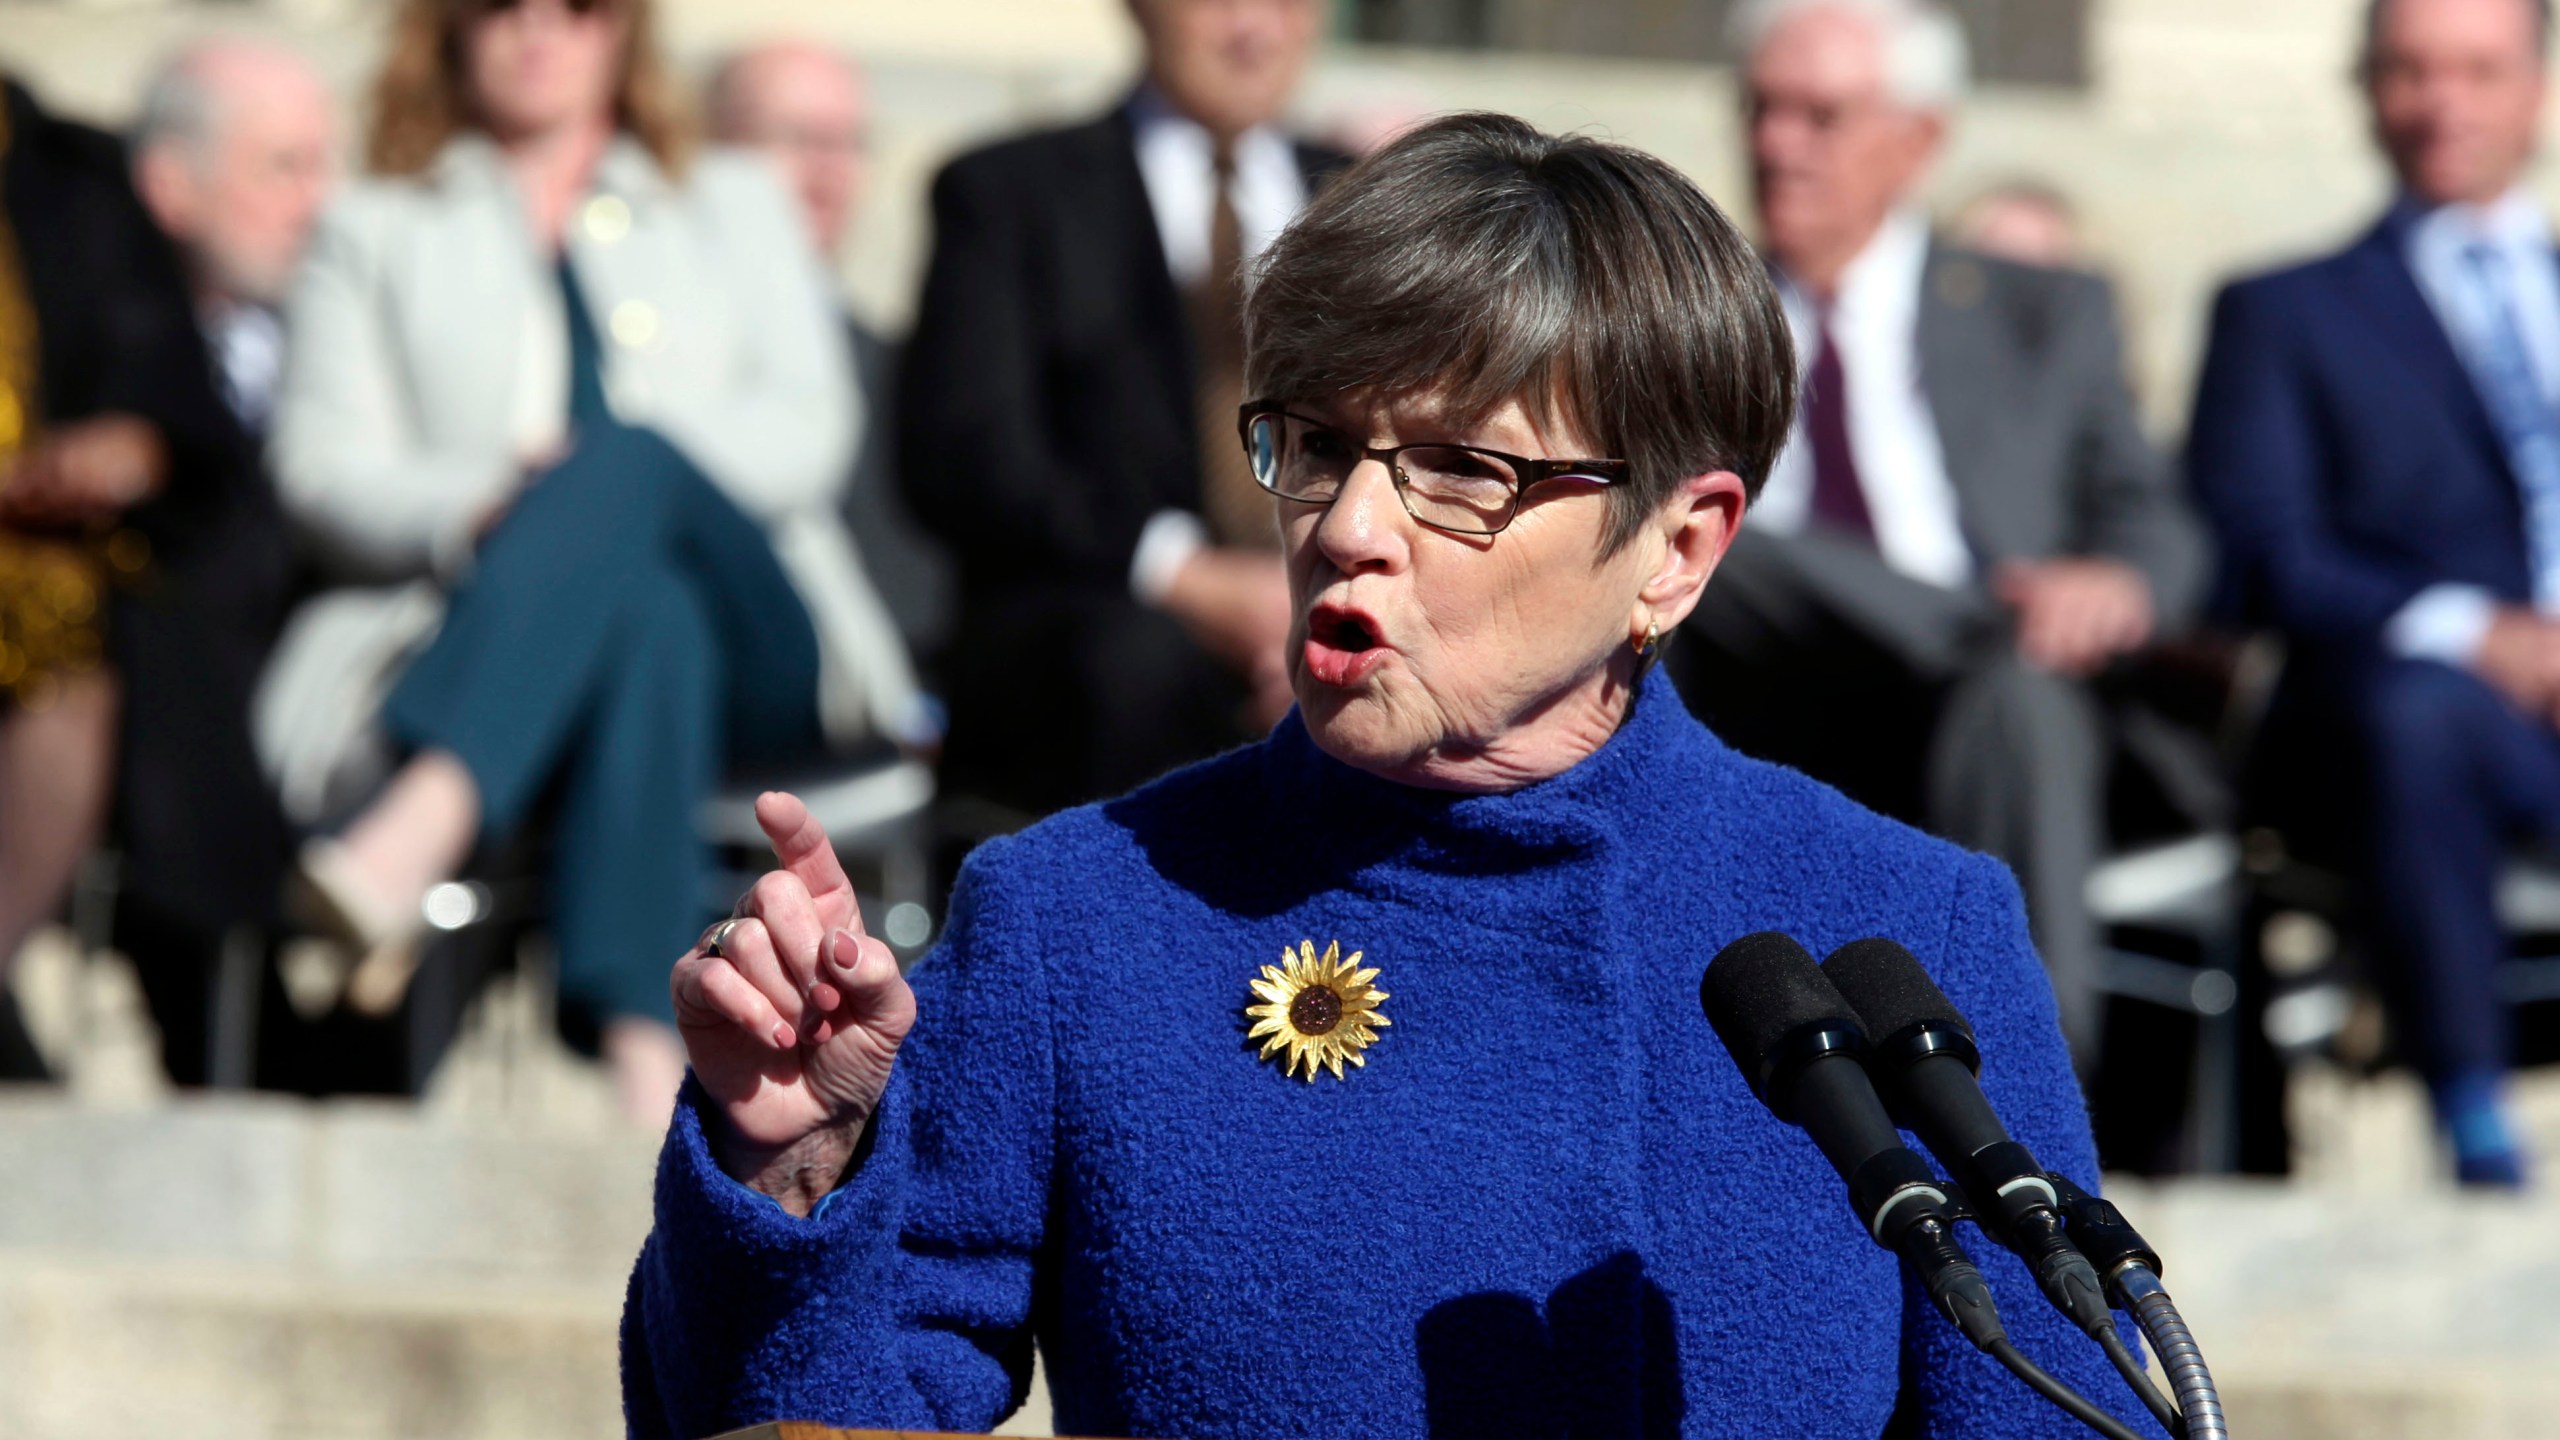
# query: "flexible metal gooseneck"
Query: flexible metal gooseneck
{"points": [[2192, 1383]]}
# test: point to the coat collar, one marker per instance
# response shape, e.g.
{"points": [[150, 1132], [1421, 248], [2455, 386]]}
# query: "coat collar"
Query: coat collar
{"points": [[1658, 747], [471, 161]]}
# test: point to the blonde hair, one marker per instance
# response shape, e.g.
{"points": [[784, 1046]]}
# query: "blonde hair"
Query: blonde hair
{"points": [[422, 98]]}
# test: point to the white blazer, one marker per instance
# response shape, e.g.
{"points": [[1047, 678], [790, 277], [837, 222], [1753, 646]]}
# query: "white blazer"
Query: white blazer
{"points": [[427, 362]]}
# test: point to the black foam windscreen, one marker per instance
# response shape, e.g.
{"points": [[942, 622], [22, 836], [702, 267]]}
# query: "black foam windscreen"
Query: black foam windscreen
{"points": [[1890, 990], [1761, 990]]}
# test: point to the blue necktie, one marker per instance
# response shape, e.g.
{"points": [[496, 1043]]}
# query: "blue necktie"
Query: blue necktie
{"points": [[2527, 423]]}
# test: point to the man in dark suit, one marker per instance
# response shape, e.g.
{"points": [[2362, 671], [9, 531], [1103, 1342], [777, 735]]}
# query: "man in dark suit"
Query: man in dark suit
{"points": [[113, 426], [1969, 525], [1067, 417], [2377, 439], [233, 155]]}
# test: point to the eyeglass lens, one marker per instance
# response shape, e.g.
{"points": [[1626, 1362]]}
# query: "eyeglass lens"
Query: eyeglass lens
{"points": [[1442, 485]]}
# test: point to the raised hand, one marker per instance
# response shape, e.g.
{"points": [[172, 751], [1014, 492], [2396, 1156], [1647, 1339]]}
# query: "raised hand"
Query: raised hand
{"points": [[792, 1026]]}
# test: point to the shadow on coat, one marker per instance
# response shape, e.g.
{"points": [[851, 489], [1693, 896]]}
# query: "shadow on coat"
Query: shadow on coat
{"points": [[1602, 1360]]}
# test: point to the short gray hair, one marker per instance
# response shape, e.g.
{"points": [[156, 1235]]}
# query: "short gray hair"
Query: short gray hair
{"points": [[178, 107], [1927, 62], [1590, 281]]}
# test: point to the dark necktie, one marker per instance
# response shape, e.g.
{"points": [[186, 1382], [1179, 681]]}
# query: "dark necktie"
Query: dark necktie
{"points": [[1839, 498], [1239, 512]]}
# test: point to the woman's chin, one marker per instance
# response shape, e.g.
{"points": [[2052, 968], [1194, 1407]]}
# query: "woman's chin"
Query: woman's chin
{"points": [[1357, 726]]}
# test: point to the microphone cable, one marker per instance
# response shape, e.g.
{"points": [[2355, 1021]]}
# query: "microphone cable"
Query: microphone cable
{"points": [[2162, 1408], [2071, 1401]]}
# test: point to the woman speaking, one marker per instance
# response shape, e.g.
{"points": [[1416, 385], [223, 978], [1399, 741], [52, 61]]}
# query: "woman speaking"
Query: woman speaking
{"points": [[1353, 1083]]}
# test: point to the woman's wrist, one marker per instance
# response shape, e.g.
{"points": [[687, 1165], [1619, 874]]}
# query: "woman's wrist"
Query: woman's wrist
{"points": [[799, 1174]]}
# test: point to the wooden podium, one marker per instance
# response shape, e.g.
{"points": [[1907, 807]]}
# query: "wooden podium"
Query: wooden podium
{"points": [[801, 1430], [805, 1431]]}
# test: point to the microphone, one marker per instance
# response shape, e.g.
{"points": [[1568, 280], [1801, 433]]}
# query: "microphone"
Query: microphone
{"points": [[1799, 1045], [1925, 1061]]}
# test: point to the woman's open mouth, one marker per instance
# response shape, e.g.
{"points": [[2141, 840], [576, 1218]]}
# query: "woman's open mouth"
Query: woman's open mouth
{"points": [[1344, 646]]}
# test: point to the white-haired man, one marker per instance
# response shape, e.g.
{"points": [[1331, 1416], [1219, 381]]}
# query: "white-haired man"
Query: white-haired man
{"points": [[1969, 525], [233, 154]]}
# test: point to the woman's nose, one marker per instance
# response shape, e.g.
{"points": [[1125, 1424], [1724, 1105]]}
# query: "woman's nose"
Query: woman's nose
{"points": [[1363, 528]]}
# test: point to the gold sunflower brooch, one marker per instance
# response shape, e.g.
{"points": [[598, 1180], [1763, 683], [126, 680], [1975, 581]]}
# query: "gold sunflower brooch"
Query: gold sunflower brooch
{"points": [[1321, 1011]]}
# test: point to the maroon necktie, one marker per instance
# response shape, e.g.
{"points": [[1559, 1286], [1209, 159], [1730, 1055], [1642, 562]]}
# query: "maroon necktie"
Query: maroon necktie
{"points": [[1839, 499]]}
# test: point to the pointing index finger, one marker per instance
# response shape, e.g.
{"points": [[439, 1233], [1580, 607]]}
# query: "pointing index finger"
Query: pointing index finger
{"points": [[800, 843]]}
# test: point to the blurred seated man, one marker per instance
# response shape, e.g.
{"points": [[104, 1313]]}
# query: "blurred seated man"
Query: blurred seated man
{"points": [[118, 470], [808, 108], [1968, 526], [2377, 438], [1068, 416], [233, 155]]}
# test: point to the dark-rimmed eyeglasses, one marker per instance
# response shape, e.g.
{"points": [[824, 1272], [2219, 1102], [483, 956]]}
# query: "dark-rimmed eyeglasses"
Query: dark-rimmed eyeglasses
{"points": [[1463, 489]]}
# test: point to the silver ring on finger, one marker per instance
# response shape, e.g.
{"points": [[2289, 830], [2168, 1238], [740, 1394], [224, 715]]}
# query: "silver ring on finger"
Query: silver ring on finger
{"points": [[718, 935]]}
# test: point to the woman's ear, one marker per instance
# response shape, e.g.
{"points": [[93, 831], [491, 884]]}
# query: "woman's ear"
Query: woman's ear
{"points": [[1698, 525]]}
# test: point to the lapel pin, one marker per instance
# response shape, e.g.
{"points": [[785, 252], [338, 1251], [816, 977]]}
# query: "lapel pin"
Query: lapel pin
{"points": [[1317, 1010]]}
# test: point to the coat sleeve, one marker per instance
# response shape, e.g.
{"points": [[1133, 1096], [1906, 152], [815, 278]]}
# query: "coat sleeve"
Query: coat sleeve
{"points": [[2129, 509], [349, 463], [1950, 1391], [780, 435], [2256, 459], [979, 458], [905, 1303]]}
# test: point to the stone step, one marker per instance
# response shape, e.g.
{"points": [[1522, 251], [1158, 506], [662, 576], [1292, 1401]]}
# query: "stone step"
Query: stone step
{"points": [[2366, 1316], [266, 1267], [354, 1190], [92, 1347]]}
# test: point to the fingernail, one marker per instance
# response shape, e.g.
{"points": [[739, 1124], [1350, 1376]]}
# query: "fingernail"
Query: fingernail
{"points": [[842, 950], [781, 1036]]}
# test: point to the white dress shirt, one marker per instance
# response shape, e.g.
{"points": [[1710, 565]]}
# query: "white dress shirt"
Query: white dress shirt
{"points": [[1893, 435], [2447, 622], [247, 342], [1176, 161]]}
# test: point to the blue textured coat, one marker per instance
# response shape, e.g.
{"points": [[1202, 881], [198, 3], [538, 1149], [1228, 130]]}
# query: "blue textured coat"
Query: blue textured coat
{"points": [[1547, 1205]]}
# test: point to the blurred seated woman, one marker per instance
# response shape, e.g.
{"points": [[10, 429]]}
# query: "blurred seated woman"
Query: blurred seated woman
{"points": [[1353, 1083], [568, 418]]}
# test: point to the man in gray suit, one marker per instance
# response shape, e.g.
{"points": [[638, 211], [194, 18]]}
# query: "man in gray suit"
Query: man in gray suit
{"points": [[1968, 526]]}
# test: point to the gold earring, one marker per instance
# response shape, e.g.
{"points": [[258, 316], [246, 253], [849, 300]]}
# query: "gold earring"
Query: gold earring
{"points": [[1652, 640]]}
